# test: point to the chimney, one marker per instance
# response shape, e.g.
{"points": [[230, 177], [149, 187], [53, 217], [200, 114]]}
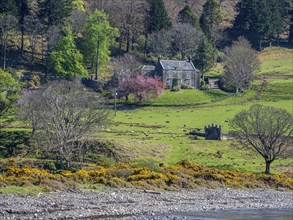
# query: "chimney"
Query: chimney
{"points": [[189, 59], [159, 58]]}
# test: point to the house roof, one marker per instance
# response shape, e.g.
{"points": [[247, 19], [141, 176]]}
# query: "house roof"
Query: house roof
{"points": [[148, 68], [177, 65]]}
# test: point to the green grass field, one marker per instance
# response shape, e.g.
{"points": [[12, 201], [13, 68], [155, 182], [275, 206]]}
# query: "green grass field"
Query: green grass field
{"points": [[159, 130]]}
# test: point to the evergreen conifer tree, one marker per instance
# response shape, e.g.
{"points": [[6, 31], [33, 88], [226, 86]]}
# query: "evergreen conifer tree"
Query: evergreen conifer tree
{"points": [[158, 17], [187, 16], [260, 20], [210, 18], [205, 55], [53, 12]]}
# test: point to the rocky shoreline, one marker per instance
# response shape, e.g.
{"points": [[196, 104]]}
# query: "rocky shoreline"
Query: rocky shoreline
{"points": [[136, 204]]}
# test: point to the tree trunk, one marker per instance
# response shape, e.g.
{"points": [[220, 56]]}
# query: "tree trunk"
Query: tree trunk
{"points": [[32, 57], [120, 44], [22, 42], [145, 44], [128, 42], [4, 56], [291, 28], [97, 60], [268, 165]]}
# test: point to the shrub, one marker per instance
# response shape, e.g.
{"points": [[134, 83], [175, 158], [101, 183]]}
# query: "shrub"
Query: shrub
{"points": [[105, 161], [13, 143], [184, 86], [175, 89]]}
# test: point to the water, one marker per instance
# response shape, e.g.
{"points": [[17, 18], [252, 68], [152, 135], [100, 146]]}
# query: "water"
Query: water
{"points": [[256, 214]]}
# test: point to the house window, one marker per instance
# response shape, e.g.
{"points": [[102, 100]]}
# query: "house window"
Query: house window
{"points": [[169, 81], [187, 82]]}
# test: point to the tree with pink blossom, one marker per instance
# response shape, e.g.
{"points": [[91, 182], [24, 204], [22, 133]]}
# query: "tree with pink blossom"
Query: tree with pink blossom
{"points": [[143, 88]]}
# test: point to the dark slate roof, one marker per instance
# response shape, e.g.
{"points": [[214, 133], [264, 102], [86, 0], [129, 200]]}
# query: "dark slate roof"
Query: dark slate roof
{"points": [[177, 65], [148, 68]]}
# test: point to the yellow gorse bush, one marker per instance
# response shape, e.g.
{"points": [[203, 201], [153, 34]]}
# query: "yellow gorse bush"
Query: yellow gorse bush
{"points": [[182, 175]]}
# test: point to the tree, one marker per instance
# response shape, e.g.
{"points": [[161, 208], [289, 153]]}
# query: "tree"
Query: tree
{"points": [[129, 17], [78, 5], [23, 11], [241, 61], [63, 115], [98, 36], [65, 59], [210, 18], [185, 39], [125, 65], [142, 87], [9, 89], [260, 20], [77, 22], [33, 27], [158, 16], [54, 12], [291, 25], [205, 55], [8, 24], [160, 43], [182, 38], [8, 7], [265, 130], [187, 16]]}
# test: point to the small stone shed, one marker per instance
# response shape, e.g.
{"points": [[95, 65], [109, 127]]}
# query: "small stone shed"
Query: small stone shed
{"points": [[184, 71]]}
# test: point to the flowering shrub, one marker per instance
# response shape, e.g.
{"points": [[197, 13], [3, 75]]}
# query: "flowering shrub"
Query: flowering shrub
{"points": [[142, 87], [182, 175]]}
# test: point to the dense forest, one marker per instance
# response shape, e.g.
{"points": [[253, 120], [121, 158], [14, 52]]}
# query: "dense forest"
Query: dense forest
{"points": [[79, 38]]}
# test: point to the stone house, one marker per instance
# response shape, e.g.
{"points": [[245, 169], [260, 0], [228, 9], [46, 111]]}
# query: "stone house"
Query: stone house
{"points": [[184, 71]]}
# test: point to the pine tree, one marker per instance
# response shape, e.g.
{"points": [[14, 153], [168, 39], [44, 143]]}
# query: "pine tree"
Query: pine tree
{"points": [[210, 18], [53, 12], [158, 17], [187, 16], [205, 56], [8, 7], [260, 20]]}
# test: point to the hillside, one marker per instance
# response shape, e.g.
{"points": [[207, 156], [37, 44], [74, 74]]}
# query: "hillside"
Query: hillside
{"points": [[159, 130], [147, 133]]}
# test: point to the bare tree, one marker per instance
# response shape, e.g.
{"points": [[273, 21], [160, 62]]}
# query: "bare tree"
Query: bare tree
{"points": [[185, 39], [160, 43], [129, 17], [8, 24], [62, 115], [241, 61], [265, 130], [77, 21], [125, 65], [53, 35]]}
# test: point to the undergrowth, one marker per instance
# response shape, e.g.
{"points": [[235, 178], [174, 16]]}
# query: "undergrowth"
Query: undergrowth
{"points": [[184, 175]]}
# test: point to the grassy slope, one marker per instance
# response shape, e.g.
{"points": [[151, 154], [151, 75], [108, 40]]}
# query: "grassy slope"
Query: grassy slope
{"points": [[160, 132]]}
